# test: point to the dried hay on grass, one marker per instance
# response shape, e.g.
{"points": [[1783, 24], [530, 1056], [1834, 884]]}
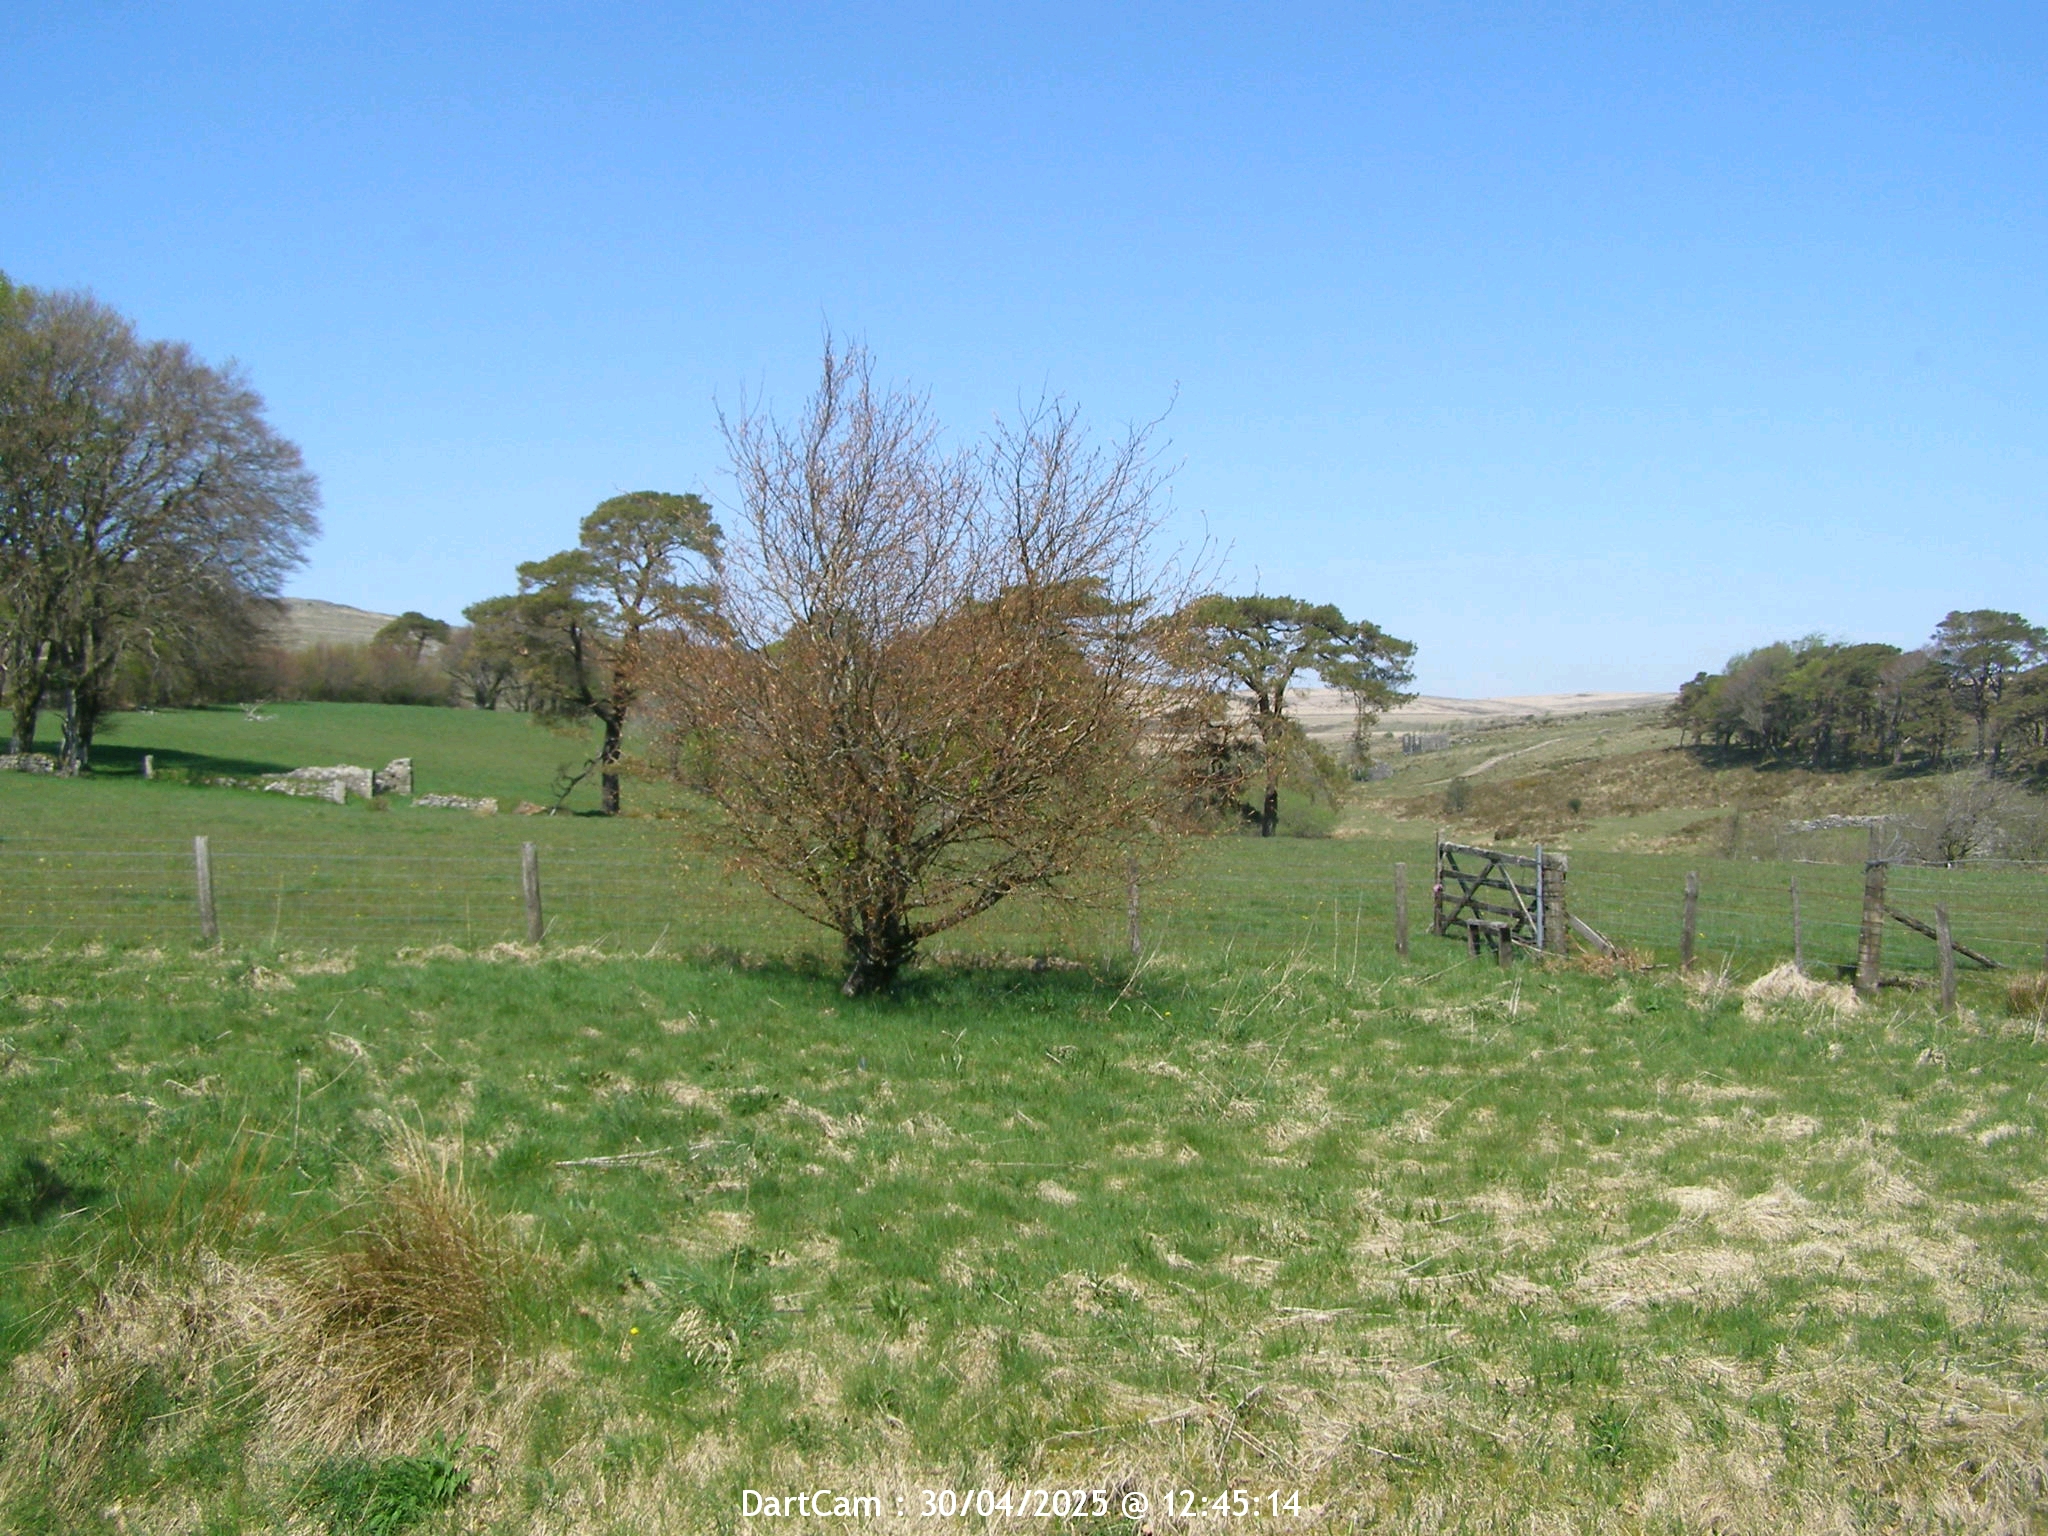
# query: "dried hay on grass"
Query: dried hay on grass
{"points": [[1788, 984], [1618, 961]]}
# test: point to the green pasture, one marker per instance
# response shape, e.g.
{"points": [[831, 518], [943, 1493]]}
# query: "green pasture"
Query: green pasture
{"points": [[376, 1219], [1422, 1247], [454, 751], [109, 859]]}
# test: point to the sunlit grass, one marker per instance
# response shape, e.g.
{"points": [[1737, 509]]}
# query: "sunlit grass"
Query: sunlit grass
{"points": [[1435, 1246]]}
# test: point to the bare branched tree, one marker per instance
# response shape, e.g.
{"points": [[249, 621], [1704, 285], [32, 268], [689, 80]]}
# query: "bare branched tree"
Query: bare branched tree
{"points": [[929, 687]]}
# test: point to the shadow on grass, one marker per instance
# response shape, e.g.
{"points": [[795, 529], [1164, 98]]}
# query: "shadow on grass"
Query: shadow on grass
{"points": [[941, 982], [31, 1192], [111, 759]]}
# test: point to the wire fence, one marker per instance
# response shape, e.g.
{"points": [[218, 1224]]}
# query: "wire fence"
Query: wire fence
{"points": [[1230, 898]]}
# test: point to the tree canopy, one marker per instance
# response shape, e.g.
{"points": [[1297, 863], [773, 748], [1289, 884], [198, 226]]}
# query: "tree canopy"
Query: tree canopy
{"points": [[412, 632], [1260, 644], [574, 637], [1833, 703], [147, 508]]}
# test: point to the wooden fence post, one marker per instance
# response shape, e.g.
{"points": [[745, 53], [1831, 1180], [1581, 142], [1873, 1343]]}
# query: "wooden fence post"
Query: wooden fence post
{"points": [[1798, 934], [1506, 953], [1131, 910], [1870, 946], [1557, 920], [529, 881], [1689, 929], [1401, 910], [1436, 919], [202, 865], [1945, 944]]}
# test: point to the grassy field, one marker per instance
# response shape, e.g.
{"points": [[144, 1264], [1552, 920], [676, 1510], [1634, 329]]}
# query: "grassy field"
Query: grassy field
{"points": [[110, 859], [454, 751], [375, 1220], [297, 1240]]}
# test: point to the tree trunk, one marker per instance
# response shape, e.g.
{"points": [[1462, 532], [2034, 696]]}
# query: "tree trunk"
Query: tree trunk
{"points": [[22, 738], [1272, 732], [608, 765], [76, 741], [875, 953]]}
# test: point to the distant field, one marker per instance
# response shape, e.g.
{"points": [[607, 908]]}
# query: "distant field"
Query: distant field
{"points": [[109, 858], [454, 751]]}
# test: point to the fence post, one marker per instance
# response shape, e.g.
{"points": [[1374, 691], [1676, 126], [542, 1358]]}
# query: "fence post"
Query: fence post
{"points": [[1798, 933], [1689, 930], [1870, 946], [529, 881], [1506, 954], [1436, 920], [202, 866], [1401, 910], [1556, 910], [1946, 945], [1131, 910]]}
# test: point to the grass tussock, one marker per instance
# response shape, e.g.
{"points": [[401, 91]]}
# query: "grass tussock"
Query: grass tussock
{"points": [[384, 1332], [353, 1351], [2026, 995]]}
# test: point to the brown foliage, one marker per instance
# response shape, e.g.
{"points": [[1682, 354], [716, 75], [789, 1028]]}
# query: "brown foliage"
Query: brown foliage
{"points": [[929, 692]]}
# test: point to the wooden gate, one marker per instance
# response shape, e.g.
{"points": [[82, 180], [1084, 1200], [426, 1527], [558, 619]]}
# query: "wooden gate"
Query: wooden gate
{"points": [[1485, 896]]}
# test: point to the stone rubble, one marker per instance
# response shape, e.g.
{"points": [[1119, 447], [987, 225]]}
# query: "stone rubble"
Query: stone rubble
{"points": [[353, 780], [334, 791], [482, 805]]}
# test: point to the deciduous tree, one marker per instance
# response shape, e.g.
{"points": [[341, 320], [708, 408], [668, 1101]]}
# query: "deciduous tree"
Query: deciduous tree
{"points": [[145, 505], [932, 685]]}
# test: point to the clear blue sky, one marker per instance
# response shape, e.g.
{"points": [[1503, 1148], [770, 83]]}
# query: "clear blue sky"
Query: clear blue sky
{"points": [[1581, 344]]}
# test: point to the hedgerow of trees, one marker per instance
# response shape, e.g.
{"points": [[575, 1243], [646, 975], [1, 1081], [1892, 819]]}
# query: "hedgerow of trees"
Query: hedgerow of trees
{"points": [[1978, 689]]}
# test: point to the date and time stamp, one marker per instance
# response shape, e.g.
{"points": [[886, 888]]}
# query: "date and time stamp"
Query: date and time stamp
{"points": [[1125, 1503]]}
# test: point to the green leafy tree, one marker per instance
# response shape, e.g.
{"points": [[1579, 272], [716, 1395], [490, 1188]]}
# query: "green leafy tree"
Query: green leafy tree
{"points": [[412, 632], [582, 621], [1978, 652], [146, 509], [482, 657], [1261, 644]]}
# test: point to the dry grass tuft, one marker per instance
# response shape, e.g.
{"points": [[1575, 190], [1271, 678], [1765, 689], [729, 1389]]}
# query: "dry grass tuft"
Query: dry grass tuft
{"points": [[1619, 961], [1788, 984], [385, 1332], [2026, 995], [96, 1383], [370, 1344]]}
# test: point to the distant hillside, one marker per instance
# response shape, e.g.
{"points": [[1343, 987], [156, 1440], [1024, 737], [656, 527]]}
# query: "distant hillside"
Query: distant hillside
{"points": [[306, 621]]}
